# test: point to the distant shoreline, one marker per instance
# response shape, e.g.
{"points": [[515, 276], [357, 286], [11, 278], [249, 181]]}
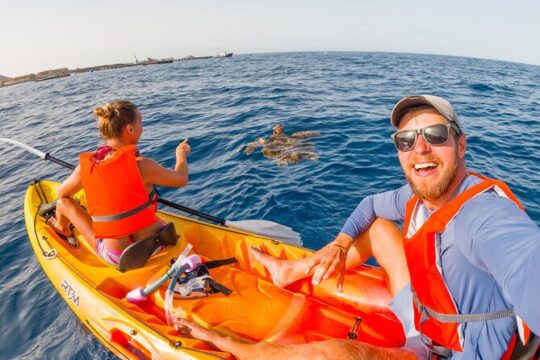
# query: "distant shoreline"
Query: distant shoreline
{"points": [[62, 72]]}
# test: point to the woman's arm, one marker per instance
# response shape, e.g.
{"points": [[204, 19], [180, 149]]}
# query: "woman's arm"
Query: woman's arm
{"points": [[71, 185], [156, 174]]}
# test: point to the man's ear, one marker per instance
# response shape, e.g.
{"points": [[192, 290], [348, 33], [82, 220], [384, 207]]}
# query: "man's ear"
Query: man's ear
{"points": [[130, 128], [462, 145]]}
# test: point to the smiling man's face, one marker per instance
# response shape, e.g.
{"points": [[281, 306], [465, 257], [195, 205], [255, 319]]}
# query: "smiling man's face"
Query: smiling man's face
{"points": [[430, 170]]}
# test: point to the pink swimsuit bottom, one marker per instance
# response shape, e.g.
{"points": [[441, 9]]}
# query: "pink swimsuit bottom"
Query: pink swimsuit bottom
{"points": [[112, 256]]}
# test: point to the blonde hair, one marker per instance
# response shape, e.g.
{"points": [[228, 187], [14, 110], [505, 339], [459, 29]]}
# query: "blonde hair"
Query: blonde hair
{"points": [[114, 116]]}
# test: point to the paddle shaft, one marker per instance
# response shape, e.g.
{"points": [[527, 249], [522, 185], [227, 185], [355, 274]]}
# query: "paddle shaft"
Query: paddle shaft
{"points": [[161, 200], [59, 162], [191, 211]]}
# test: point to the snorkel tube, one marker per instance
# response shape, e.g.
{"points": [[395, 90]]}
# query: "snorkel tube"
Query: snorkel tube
{"points": [[188, 264], [140, 295]]}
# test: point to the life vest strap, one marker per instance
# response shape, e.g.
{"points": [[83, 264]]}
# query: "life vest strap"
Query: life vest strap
{"points": [[217, 263], [426, 312], [106, 218], [437, 352], [217, 287]]}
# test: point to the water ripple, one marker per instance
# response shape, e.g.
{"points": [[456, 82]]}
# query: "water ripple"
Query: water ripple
{"points": [[221, 105]]}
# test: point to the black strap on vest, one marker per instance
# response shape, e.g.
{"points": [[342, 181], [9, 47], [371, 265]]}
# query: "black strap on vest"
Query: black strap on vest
{"points": [[531, 350], [136, 254]]}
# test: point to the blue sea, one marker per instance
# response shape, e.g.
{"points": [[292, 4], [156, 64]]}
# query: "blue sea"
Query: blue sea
{"points": [[220, 105]]}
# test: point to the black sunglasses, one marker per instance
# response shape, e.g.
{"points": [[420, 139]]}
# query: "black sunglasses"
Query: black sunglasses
{"points": [[435, 135]]}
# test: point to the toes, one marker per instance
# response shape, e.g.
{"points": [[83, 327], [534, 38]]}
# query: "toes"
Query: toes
{"points": [[51, 220]]}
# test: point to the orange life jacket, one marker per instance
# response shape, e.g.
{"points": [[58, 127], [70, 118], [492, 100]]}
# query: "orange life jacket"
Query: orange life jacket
{"points": [[116, 195], [435, 312]]}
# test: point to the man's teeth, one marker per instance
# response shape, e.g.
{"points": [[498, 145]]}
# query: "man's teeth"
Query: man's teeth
{"points": [[424, 166]]}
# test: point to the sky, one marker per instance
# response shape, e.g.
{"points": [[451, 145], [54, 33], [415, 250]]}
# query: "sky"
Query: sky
{"points": [[37, 35]]}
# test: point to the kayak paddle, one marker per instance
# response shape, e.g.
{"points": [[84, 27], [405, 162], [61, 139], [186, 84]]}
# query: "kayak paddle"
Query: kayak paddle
{"points": [[260, 227]]}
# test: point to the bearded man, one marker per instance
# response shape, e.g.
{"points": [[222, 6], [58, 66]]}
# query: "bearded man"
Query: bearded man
{"points": [[463, 271]]}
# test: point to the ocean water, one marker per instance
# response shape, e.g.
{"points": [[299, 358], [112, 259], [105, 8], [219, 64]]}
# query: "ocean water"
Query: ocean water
{"points": [[222, 104]]}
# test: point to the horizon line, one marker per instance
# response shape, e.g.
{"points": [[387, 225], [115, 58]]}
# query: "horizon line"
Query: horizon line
{"points": [[317, 51]]}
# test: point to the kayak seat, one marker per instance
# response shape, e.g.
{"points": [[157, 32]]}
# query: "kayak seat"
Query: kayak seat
{"points": [[136, 254]]}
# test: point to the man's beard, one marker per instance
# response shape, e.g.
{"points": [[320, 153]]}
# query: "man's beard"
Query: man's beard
{"points": [[432, 192]]}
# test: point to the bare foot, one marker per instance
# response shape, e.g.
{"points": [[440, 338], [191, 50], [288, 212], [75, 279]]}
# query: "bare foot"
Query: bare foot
{"points": [[196, 331], [53, 223], [280, 270]]}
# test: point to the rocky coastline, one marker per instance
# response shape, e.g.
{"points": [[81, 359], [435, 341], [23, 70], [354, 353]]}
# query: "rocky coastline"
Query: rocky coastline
{"points": [[58, 73]]}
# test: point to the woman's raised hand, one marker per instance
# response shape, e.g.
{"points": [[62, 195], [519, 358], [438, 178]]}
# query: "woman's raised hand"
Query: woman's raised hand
{"points": [[183, 149]]}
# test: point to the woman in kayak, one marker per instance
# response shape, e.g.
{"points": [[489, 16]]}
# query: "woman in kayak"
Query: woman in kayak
{"points": [[118, 185]]}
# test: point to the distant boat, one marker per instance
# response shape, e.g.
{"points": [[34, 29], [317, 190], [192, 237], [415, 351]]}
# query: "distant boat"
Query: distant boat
{"points": [[224, 54]]}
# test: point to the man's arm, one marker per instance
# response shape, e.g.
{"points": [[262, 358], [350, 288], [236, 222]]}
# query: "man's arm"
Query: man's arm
{"points": [[505, 242], [389, 205], [332, 258]]}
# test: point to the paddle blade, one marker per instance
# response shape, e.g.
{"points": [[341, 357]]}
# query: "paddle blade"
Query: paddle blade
{"points": [[268, 229], [30, 149]]}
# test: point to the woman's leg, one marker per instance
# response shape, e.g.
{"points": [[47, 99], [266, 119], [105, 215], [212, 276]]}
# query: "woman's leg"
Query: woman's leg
{"points": [[68, 211], [383, 240]]}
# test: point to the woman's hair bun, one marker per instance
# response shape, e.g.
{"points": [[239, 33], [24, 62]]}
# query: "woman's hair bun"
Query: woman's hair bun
{"points": [[114, 116]]}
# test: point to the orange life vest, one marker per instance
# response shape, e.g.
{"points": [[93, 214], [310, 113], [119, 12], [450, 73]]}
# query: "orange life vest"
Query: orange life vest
{"points": [[435, 312], [116, 195]]}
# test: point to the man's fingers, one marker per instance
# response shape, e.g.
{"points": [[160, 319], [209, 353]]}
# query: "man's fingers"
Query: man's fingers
{"points": [[341, 279], [324, 271], [317, 275], [320, 271], [330, 270]]}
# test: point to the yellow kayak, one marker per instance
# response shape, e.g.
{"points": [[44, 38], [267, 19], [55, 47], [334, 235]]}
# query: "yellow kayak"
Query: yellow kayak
{"points": [[255, 310]]}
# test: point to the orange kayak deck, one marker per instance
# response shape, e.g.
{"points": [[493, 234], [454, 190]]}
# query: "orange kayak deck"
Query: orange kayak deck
{"points": [[256, 310]]}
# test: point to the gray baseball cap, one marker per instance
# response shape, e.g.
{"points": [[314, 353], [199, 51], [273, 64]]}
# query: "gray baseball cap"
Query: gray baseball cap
{"points": [[441, 105]]}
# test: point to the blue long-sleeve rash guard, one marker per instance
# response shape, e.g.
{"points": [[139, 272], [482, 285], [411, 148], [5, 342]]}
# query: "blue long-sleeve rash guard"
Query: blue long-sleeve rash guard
{"points": [[490, 257]]}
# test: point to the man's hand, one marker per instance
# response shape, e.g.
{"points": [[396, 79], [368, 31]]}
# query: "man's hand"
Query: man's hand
{"points": [[331, 259]]}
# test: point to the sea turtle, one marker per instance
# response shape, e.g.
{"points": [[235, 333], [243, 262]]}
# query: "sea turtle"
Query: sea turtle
{"points": [[285, 149]]}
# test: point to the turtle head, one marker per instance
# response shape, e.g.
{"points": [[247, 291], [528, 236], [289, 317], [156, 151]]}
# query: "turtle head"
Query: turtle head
{"points": [[278, 129]]}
